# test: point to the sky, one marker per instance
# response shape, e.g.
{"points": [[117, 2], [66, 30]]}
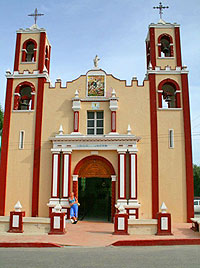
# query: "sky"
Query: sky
{"points": [[115, 30]]}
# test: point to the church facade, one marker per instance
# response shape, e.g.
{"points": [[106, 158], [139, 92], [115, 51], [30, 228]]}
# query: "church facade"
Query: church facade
{"points": [[107, 141]]}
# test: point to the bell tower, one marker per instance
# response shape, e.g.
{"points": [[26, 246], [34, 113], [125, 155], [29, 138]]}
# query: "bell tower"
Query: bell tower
{"points": [[24, 105], [169, 112]]}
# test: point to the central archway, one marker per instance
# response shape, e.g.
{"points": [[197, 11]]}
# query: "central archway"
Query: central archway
{"points": [[96, 168]]}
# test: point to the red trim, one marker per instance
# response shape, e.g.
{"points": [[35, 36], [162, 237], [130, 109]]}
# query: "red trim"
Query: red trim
{"points": [[76, 121], [93, 157], [61, 230], [130, 169], [124, 155], [58, 176], [159, 229], [75, 188], [41, 61], [69, 174], [178, 100], [113, 121], [152, 47], [158, 242], [17, 98], [154, 147], [188, 147], [160, 86], [18, 229], [17, 52], [25, 46], [113, 199], [116, 230], [163, 35], [4, 145], [37, 147], [178, 46], [28, 245]]}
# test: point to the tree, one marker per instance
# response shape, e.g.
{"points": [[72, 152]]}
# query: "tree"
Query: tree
{"points": [[196, 172]]}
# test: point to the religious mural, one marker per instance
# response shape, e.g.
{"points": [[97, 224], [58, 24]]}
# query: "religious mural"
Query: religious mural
{"points": [[96, 85]]}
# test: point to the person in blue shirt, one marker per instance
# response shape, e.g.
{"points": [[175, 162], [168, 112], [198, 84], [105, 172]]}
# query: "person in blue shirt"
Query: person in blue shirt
{"points": [[73, 202]]}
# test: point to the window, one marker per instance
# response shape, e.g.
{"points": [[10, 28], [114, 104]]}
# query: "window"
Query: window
{"points": [[95, 123], [171, 138], [21, 139]]}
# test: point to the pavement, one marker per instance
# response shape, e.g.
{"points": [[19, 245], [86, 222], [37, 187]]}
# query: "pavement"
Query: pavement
{"points": [[100, 234]]}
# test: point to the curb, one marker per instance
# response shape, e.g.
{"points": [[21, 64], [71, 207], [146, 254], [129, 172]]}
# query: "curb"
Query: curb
{"points": [[162, 242], [28, 245]]}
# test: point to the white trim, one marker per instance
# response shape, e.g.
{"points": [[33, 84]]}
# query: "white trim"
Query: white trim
{"points": [[133, 176], [55, 175], [21, 139], [122, 166], [170, 109], [66, 175], [171, 138], [113, 177], [22, 111], [74, 177]]}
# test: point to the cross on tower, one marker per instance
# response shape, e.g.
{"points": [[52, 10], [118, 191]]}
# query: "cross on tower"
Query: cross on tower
{"points": [[160, 7], [35, 15]]}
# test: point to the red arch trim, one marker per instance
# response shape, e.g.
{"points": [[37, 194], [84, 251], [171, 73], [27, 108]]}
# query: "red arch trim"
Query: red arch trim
{"points": [[165, 34], [168, 80], [29, 40], [25, 83], [93, 157]]}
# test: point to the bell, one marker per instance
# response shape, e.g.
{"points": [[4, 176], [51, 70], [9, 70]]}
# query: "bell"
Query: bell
{"points": [[168, 98]]}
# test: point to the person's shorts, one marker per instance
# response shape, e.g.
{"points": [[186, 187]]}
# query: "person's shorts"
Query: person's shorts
{"points": [[74, 211]]}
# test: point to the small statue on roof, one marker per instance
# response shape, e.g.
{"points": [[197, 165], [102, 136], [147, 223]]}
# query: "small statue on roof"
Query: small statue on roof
{"points": [[96, 60]]}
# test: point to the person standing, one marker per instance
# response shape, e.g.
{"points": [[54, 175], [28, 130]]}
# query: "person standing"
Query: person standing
{"points": [[73, 202]]}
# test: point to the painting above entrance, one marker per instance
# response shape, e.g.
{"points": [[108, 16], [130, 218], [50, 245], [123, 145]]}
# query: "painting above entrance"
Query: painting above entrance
{"points": [[96, 85]]}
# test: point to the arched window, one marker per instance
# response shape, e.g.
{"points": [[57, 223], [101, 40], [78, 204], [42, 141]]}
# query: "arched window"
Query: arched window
{"points": [[29, 51], [165, 46], [168, 94], [24, 96]]}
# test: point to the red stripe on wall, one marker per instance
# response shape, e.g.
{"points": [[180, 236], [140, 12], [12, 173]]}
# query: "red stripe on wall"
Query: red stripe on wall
{"points": [[17, 52], [37, 147], [152, 47], [4, 148], [188, 148], [41, 61], [154, 146], [178, 46]]}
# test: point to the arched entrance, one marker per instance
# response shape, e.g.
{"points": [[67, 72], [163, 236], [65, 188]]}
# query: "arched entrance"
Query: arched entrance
{"points": [[95, 187]]}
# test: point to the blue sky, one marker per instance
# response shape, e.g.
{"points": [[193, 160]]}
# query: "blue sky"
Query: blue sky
{"points": [[113, 29]]}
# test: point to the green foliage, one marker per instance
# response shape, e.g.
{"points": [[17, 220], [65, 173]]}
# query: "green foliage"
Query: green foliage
{"points": [[196, 172]]}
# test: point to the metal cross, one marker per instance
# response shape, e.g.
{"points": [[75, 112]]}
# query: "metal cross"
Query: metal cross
{"points": [[160, 7], [35, 15]]}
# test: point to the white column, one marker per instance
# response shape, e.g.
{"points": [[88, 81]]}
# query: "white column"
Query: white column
{"points": [[66, 181], [133, 176], [55, 174], [122, 176]]}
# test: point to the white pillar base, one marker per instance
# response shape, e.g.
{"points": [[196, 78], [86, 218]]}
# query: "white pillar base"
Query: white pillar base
{"points": [[133, 203], [122, 201]]}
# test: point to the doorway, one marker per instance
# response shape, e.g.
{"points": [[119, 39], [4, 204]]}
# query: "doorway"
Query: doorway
{"points": [[94, 195]]}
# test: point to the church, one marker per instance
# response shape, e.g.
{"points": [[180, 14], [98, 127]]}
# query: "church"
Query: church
{"points": [[108, 142]]}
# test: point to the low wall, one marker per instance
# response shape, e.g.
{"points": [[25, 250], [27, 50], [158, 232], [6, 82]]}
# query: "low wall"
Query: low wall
{"points": [[31, 225], [142, 227]]}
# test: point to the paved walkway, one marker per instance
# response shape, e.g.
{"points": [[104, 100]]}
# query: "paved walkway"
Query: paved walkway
{"points": [[96, 234]]}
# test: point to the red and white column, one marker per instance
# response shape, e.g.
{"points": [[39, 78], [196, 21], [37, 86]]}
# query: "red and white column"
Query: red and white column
{"points": [[75, 185], [66, 175], [132, 176], [55, 189], [76, 106], [122, 177], [113, 107]]}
